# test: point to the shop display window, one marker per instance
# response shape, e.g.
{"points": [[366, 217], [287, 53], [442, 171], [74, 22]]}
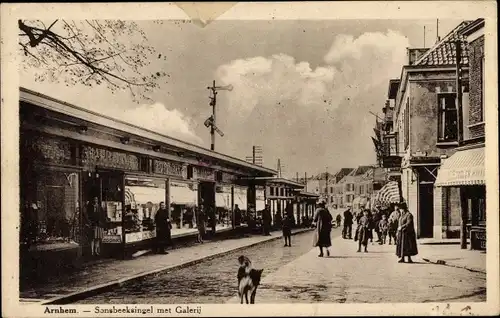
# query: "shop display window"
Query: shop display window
{"points": [[183, 206], [51, 219], [240, 199], [142, 200], [223, 205]]}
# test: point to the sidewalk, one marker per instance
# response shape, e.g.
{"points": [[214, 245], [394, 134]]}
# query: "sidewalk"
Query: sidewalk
{"points": [[100, 277], [453, 255], [347, 276]]}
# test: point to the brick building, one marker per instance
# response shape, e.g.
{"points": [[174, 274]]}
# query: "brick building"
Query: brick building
{"points": [[463, 172]]}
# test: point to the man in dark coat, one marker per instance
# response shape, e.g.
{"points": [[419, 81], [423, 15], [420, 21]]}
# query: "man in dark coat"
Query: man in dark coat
{"points": [[406, 242], [347, 230], [163, 229], [323, 221], [266, 220]]}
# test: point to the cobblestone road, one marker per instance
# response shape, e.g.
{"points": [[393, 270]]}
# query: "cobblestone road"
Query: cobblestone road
{"points": [[212, 281]]}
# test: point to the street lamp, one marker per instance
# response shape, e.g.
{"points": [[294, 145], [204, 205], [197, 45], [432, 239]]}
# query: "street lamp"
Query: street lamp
{"points": [[210, 122]]}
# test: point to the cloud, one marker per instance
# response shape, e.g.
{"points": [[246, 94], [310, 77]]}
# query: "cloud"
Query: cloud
{"points": [[291, 107], [158, 118]]}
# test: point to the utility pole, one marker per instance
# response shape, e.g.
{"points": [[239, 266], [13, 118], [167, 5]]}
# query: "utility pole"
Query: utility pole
{"points": [[297, 176], [305, 178], [279, 168], [211, 121], [326, 186]]}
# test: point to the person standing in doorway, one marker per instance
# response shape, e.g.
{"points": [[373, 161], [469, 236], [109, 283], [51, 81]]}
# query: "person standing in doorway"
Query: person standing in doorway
{"points": [[97, 221], [323, 222], [347, 230], [406, 239], [163, 229], [266, 220]]}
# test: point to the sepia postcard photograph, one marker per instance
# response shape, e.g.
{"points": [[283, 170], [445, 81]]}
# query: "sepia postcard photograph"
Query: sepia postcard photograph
{"points": [[306, 158]]}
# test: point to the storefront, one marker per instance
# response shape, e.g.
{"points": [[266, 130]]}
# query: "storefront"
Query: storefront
{"points": [[69, 157], [464, 172]]}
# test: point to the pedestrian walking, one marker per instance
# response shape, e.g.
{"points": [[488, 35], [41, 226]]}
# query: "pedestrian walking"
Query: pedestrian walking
{"points": [[370, 224], [200, 223], [98, 221], [287, 229], [338, 220], [163, 229], [383, 228], [393, 224], [377, 216], [323, 221], [362, 231], [347, 230], [266, 220], [406, 242]]}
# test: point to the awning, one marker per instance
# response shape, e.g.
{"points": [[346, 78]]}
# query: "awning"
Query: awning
{"points": [[465, 167], [388, 194]]}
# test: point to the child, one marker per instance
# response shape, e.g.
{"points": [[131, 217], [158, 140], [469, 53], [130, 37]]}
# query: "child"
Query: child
{"points": [[383, 227], [287, 229]]}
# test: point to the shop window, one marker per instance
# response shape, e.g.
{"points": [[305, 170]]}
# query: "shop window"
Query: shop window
{"points": [[142, 200], [447, 117], [240, 199], [223, 201], [50, 219], [184, 211]]}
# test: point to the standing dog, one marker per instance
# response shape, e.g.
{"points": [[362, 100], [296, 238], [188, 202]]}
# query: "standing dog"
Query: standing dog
{"points": [[248, 279]]}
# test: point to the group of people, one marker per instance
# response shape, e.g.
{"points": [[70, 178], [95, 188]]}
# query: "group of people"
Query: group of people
{"points": [[398, 226]]}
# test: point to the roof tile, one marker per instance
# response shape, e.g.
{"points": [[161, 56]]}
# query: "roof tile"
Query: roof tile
{"points": [[443, 52]]}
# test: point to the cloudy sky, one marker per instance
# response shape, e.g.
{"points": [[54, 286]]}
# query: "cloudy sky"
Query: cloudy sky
{"points": [[303, 90]]}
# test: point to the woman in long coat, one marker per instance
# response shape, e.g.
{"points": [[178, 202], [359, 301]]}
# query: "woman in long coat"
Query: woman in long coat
{"points": [[323, 220], [406, 240]]}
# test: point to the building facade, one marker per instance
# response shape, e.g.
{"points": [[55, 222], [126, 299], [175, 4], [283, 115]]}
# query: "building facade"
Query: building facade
{"points": [[69, 156], [426, 130]]}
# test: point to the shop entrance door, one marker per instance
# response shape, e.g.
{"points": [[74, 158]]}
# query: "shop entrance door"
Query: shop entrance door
{"points": [[107, 186], [206, 193], [426, 210]]}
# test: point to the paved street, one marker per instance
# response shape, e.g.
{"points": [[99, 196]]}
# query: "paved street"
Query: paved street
{"points": [[212, 281], [297, 275]]}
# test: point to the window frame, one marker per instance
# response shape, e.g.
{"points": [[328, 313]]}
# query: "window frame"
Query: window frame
{"points": [[441, 127]]}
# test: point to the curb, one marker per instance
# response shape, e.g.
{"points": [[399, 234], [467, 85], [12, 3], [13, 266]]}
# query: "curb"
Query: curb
{"points": [[445, 263], [94, 290]]}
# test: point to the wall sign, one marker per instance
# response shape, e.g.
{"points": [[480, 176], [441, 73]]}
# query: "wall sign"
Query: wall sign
{"points": [[102, 157], [203, 173], [47, 149], [169, 168], [228, 178]]}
